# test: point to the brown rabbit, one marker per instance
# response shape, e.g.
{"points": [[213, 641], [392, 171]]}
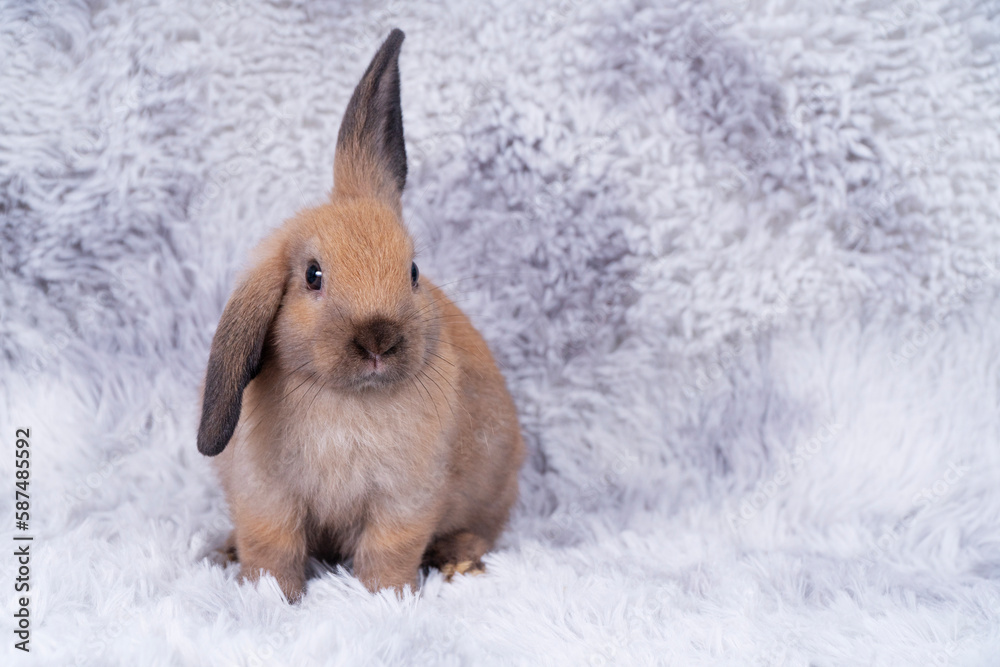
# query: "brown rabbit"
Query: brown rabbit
{"points": [[369, 421]]}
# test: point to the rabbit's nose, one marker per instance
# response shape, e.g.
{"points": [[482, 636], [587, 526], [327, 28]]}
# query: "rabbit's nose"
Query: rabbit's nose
{"points": [[377, 338]]}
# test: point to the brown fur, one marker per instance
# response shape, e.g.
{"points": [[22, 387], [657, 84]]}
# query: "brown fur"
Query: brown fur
{"points": [[373, 424]]}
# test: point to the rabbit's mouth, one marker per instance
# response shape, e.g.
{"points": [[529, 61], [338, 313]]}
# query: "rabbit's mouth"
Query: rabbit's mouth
{"points": [[378, 351], [382, 376], [380, 369]]}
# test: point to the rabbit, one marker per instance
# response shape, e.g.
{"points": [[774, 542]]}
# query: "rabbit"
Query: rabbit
{"points": [[366, 420]]}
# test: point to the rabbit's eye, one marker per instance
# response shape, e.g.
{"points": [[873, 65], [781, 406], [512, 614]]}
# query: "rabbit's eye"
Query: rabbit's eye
{"points": [[414, 273], [314, 276]]}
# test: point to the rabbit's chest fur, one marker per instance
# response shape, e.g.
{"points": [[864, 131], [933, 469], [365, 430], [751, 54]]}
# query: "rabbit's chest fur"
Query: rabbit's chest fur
{"points": [[343, 457]]}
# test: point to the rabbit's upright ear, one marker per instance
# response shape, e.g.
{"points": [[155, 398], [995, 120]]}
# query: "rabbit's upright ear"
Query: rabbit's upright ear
{"points": [[371, 155], [236, 351]]}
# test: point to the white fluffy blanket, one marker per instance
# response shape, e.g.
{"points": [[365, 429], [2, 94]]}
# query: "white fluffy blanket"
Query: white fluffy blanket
{"points": [[740, 262]]}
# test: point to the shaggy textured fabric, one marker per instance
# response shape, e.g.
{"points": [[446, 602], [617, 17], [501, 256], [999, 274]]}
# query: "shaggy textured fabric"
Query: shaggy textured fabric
{"points": [[740, 263]]}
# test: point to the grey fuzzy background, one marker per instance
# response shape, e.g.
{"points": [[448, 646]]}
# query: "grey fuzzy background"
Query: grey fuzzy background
{"points": [[739, 263]]}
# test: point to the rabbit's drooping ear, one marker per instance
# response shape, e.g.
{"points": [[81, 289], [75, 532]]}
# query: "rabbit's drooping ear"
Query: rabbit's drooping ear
{"points": [[371, 155], [236, 351]]}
